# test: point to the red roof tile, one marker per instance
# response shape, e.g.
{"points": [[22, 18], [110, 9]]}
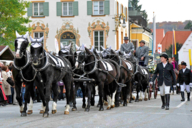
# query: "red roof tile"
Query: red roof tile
{"points": [[180, 36]]}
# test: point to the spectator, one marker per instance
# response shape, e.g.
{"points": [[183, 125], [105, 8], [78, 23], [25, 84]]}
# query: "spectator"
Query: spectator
{"points": [[6, 86], [3, 98], [23, 92]]}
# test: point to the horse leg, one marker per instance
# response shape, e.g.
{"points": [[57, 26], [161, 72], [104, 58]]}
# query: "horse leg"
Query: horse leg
{"points": [[89, 88], [146, 96], [137, 95], [84, 93], [101, 85], [67, 80], [117, 96], [113, 100], [55, 92], [75, 95], [18, 95], [40, 89], [93, 95], [47, 98], [30, 108]]}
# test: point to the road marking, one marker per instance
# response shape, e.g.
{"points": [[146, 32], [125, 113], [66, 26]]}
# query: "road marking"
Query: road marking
{"points": [[181, 104]]}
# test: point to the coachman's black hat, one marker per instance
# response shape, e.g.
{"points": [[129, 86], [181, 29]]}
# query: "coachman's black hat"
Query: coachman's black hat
{"points": [[183, 63], [164, 55]]}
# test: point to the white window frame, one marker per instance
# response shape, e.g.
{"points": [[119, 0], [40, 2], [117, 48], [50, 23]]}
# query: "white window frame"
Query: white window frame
{"points": [[38, 34], [38, 9], [98, 7], [67, 9], [99, 45]]}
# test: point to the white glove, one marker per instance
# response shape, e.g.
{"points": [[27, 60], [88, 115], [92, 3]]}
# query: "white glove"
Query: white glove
{"points": [[177, 84], [190, 84], [174, 86]]}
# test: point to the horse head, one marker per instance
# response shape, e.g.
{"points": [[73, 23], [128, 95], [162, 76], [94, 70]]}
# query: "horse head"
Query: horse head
{"points": [[21, 44], [83, 56], [106, 53], [37, 50]]}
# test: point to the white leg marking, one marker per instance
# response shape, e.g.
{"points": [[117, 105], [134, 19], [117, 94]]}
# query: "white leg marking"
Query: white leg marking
{"points": [[43, 107], [141, 95], [113, 99], [21, 108], [31, 104], [146, 96], [67, 108], [109, 101], [54, 106]]}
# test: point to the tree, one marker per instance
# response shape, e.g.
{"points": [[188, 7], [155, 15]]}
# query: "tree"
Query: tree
{"points": [[12, 19], [136, 6], [188, 26], [170, 49]]}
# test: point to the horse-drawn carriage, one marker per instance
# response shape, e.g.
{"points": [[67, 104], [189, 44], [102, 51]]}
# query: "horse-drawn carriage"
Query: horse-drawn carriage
{"points": [[114, 75]]}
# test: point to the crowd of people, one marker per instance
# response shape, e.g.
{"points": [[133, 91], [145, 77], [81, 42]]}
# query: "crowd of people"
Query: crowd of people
{"points": [[7, 89]]}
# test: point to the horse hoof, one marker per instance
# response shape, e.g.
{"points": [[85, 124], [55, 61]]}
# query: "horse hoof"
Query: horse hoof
{"points": [[108, 108], [140, 99], [74, 109], [116, 105], [23, 114], [101, 109], [105, 103], [125, 105], [133, 98], [45, 114], [30, 112], [87, 110], [66, 113], [84, 105], [136, 100], [21, 111], [41, 112], [112, 106], [54, 111], [145, 99]]}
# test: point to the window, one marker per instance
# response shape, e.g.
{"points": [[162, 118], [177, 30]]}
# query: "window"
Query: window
{"points": [[38, 9], [67, 9], [98, 8], [38, 34], [99, 39]]}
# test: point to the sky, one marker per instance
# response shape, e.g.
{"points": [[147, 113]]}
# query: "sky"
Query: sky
{"points": [[168, 10]]}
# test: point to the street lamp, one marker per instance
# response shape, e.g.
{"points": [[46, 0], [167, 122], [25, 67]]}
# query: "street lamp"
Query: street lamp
{"points": [[118, 21]]}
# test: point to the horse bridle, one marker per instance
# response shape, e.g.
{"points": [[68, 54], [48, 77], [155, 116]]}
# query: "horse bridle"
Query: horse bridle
{"points": [[22, 54]]}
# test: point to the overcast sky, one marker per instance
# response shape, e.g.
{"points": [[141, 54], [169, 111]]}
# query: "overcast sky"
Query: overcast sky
{"points": [[168, 10]]}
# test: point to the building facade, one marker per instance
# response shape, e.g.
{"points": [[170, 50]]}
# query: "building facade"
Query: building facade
{"points": [[90, 22]]}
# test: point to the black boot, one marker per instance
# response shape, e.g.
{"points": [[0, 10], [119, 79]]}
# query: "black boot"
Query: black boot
{"points": [[182, 96], [163, 102], [188, 96], [167, 97]]}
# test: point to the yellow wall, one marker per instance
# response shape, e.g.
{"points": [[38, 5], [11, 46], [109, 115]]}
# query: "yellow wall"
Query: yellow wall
{"points": [[138, 36]]}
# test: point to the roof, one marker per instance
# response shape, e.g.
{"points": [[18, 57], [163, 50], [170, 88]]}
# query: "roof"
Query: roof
{"points": [[180, 36], [6, 53]]}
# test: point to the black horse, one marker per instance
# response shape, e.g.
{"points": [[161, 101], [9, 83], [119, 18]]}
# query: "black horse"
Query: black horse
{"points": [[23, 73], [105, 73], [126, 72], [50, 70], [68, 53], [140, 77]]}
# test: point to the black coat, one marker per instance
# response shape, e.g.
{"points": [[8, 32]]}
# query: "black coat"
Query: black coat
{"points": [[184, 77], [166, 74]]}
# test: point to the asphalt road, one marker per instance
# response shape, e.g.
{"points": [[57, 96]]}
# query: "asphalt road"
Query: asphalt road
{"points": [[145, 114]]}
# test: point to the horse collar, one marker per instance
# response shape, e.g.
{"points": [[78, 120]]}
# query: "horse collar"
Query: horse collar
{"points": [[46, 63], [95, 66]]}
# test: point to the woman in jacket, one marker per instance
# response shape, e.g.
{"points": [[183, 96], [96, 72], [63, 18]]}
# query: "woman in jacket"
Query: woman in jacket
{"points": [[6, 86]]}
